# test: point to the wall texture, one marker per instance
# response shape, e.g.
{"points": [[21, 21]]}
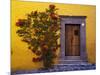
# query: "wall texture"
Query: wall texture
{"points": [[21, 58]]}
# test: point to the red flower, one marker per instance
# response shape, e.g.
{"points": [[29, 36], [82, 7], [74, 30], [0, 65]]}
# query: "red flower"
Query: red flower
{"points": [[52, 6], [37, 59], [34, 59], [34, 51], [54, 49], [53, 28], [42, 44], [38, 53], [20, 22], [35, 12], [54, 16], [44, 48]]}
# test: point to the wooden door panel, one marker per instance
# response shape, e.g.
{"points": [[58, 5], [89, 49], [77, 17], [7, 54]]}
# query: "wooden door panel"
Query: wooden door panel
{"points": [[75, 50], [72, 40], [68, 40], [76, 35]]}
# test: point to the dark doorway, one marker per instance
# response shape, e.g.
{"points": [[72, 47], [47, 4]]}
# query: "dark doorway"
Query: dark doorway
{"points": [[72, 39]]}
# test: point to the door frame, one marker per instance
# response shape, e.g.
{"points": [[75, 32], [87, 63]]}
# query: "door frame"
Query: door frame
{"points": [[73, 20]]}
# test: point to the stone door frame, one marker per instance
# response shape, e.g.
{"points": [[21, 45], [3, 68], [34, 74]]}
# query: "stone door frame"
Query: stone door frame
{"points": [[73, 20]]}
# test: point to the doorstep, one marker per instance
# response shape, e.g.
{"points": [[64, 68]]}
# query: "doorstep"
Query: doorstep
{"points": [[61, 68]]}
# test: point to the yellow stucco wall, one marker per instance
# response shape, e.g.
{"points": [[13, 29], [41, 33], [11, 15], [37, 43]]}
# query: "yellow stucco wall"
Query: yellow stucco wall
{"points": [[21, 59]]}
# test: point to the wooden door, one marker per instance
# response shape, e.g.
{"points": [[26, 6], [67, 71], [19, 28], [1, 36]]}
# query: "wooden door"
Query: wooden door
{"points": [[72, 40]]}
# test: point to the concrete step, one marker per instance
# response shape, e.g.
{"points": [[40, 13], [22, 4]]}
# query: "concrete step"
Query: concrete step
{"points": [[61, 67], [72, 62], [72, 67]]}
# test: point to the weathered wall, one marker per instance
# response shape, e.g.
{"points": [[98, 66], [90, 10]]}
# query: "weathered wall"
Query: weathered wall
{"points": [[21, 59]]}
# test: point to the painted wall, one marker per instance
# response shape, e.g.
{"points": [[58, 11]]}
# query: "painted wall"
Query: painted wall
{"points": [[21, 59]]}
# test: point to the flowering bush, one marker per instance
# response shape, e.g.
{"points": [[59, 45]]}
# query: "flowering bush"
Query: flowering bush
{"points": [[39, 30]]}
